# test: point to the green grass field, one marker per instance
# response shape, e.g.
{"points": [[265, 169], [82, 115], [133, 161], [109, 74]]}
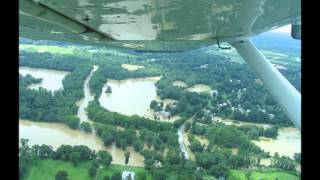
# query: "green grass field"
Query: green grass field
{"points": [[271, 175], [46, 169]]}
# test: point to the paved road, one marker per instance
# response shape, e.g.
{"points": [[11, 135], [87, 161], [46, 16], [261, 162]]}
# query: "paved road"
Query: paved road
{"points": [[180, 140]]}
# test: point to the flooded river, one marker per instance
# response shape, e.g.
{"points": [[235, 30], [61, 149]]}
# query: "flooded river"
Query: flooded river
{"points": [[83, 103], [51, 79], [56, 134]]}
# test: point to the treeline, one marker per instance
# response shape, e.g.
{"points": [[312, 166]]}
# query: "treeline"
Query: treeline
{"points": [[130, 137], [254, 132], [99, 114], [283, 162], [173, 166], [52, 61], [75, 154]]}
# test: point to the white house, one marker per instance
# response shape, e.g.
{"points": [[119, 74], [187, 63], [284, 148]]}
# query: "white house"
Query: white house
{"points": [[126, 174]]}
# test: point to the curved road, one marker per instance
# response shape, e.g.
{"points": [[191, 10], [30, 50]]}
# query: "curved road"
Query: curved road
{"points": [[180, 140]]}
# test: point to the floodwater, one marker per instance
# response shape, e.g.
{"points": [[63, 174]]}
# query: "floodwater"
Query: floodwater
{"points": [[287, 143], [131, 67], [83, 103], [57, 134], [51, 79], [179, 84], [200, 88], [129, 96]]}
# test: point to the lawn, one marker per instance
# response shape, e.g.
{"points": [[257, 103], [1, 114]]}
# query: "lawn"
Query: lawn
{"points": [[46, 169], [271, 175]]}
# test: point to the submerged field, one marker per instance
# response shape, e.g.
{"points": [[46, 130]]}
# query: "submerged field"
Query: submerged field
{"points": [[46, 169]]}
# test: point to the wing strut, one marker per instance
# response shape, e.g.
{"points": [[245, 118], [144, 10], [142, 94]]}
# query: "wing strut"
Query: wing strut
{"points": [[279, 87]]}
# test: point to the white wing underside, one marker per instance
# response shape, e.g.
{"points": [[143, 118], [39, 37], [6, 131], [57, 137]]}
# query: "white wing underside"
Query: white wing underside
{"points": [[153, 25]]}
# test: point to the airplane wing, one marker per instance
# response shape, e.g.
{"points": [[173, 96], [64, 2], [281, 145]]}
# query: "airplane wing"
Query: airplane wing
{"points": [[152, 25]]}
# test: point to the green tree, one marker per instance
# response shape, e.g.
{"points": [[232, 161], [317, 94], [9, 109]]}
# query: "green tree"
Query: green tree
{"points": [[248, 175], [92, 171], [74, 157], [127, 156], [61, 175], [138, 145], [109, 90], [190, 167], [297, 157], [73, 122], [187, 126], [141, 176], [159, 175], [85, 126], [105, 158], [116, 176], [106, 177]]}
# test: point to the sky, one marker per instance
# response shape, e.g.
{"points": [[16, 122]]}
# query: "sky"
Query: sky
{"points": [[284, 29]]}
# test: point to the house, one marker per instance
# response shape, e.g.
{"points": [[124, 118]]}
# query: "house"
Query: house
{"points": [[164, 114], [126, 174]]}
